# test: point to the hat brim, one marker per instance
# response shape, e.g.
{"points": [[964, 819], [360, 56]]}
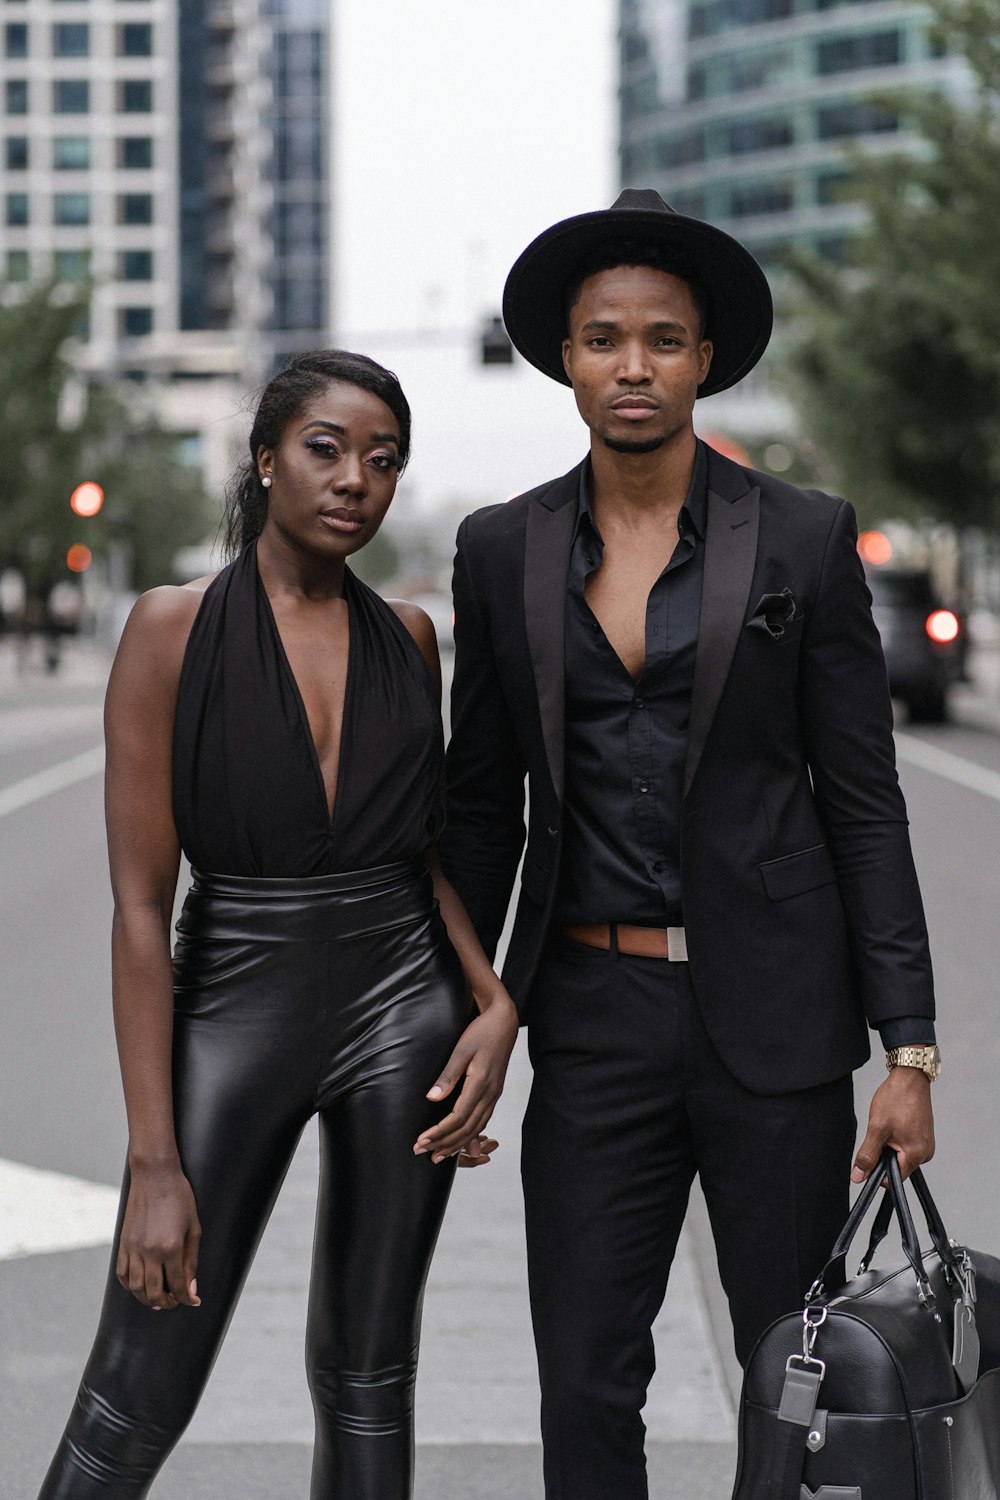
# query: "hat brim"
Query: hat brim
{"points": [[740, 310]]}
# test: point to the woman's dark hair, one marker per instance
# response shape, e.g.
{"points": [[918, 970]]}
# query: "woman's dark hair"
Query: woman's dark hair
{"points": [[635, 252], [282, 399]]}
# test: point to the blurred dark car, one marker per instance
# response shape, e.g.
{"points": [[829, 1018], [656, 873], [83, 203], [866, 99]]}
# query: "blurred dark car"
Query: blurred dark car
{"points": [[923, 641]]}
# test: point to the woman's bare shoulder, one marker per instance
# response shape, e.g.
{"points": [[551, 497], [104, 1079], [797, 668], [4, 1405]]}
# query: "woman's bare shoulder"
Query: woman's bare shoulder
{"points": [[421, 627], [156, 635], [417, 621]]}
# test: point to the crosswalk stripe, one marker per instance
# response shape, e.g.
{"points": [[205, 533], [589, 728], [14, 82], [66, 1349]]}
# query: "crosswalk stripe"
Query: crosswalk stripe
{"points": [[42, 1211], [954, 768], [53, 779]]}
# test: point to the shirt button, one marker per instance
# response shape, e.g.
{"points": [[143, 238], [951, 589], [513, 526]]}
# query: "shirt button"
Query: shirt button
{"points": [[640, 703], [644, 786], [658, 866], [551, 831]]}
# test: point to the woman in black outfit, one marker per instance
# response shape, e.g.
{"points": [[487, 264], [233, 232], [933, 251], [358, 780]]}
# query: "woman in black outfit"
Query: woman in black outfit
{"points": [[280, 724]]}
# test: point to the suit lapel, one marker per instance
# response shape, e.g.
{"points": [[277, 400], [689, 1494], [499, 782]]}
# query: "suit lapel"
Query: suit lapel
{"points": [[730, 554], [548, 541]]}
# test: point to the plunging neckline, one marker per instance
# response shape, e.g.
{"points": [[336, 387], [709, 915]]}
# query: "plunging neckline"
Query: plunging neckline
{"points": [[329, 809]]}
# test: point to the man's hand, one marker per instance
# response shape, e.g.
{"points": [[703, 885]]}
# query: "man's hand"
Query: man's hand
{"points": [[900, 1116]]}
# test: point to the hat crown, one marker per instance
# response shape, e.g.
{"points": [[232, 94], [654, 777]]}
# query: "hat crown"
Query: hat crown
{"points": [[646, 199]]}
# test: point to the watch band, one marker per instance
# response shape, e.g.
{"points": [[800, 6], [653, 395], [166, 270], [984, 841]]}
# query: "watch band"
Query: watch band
{"points": [[926, 1057]]}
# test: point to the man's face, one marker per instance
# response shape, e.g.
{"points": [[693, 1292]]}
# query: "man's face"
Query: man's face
{"points": [[635, 356]]}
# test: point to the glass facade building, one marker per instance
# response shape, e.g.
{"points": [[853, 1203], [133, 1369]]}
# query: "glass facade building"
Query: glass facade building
{"points": [[738, 111], [180, 149]]}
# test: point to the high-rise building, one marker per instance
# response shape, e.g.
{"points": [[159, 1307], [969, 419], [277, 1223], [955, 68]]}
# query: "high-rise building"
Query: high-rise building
{"points": [[738, 111], [176, 153]]}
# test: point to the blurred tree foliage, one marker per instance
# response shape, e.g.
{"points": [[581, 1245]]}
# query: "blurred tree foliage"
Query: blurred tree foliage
{"points": [[60, 429], [894, 359]]}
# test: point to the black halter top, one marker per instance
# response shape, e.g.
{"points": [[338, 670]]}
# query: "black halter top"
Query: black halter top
{"points": [[248, 793]]}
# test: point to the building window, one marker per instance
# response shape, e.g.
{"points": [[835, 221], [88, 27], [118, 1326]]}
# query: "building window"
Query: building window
{"points": [[71, 153], [16, 96], [17, 210], [833, 249], [71, 96], [135, 39], [850, 54], [762, 198], [135, 152], [72, 265], [18, 265], [135, 96], [838, 120], [135, 265], [691, 203], [135, 208], [833, 186], [71, 208], [681, 150], [748, 136], [71, 39], [16, 39], [134, 322], [17, 153]]}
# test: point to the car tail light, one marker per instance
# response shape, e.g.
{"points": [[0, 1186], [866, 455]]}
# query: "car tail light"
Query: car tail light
{"points": [[942, 626]]}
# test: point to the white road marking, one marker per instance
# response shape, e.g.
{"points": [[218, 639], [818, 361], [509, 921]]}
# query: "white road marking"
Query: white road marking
{"points": [[53, 779], [43, 1211], [954, 768]]}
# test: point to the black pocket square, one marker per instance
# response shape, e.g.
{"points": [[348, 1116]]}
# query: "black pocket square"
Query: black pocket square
{"points": [[773, 613]]}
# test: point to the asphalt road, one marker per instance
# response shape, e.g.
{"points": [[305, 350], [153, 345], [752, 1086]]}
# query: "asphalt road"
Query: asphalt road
{"points": [[60, 1113]]}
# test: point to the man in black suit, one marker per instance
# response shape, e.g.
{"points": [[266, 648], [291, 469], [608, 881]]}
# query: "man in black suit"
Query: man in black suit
{"points": [[717, 892]]}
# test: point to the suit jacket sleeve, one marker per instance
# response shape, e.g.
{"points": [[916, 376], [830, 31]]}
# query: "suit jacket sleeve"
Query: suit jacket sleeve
{"points": [[847, 723], [484, 834]]}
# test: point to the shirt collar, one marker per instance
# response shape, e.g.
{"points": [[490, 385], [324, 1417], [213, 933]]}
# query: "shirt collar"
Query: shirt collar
{"points": [[693, 512]]}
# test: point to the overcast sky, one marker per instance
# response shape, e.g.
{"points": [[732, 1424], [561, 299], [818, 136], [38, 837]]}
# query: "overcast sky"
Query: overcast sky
{"points": [[464, 129]]}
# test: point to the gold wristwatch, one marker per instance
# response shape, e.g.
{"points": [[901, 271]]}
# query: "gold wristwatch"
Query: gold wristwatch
{"points": [[927, 1058]]}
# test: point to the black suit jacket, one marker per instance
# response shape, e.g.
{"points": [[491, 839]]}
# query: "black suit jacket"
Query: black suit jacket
{"points": [[801, 903]]}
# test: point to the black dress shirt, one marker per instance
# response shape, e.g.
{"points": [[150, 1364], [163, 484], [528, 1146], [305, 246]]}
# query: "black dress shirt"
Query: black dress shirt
{"points": [[626, 741]]}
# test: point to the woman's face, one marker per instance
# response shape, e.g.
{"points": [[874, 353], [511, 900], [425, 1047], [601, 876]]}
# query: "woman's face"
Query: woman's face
{"points": [[333, 473]]}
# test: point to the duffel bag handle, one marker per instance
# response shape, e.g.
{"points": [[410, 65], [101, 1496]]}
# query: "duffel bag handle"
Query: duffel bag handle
{"points": [[935, 1224], [834, 1272]]}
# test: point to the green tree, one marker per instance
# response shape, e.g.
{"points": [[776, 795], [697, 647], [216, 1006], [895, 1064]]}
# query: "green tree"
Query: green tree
{"points": [[894, 359], [60, 429]]}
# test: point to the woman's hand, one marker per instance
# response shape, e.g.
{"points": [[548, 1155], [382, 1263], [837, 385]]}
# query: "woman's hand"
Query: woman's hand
{"points": [[481, 1055], [158, 1250]]}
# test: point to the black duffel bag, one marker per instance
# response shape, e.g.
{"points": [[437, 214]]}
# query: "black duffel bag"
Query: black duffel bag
{"points": [[886, 1387]]}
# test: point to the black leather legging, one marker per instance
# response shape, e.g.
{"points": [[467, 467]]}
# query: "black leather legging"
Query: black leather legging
{"points": [[337, 995]]}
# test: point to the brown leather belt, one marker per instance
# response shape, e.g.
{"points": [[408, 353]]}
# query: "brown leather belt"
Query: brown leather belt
{"points": [[643, 942]]}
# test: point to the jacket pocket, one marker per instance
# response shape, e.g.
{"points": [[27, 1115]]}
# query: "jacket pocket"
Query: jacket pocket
{"points": [[535, 880], [794, 874]]}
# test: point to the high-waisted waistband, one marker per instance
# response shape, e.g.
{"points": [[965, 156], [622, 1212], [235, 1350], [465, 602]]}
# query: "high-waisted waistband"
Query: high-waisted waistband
{"points": [[313, 908]]}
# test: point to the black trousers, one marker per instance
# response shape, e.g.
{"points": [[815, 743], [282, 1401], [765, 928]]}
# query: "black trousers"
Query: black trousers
{"points": [[338, 996], [629, 1102]]}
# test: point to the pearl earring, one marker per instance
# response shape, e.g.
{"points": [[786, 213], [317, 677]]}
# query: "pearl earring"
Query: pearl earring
{"points": [[266, 481]]}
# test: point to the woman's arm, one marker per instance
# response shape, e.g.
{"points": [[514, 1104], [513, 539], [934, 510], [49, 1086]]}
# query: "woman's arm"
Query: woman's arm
{"points": [[483, 1050], [158, 1248]]}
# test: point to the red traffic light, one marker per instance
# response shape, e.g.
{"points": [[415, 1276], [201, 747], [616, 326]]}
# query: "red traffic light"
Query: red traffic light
{"points": [[86, 499], [942, 626], [875, 547]]}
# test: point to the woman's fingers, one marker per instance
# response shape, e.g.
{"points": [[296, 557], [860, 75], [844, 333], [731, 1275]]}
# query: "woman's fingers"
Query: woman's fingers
{"points": [[452, 1072]]}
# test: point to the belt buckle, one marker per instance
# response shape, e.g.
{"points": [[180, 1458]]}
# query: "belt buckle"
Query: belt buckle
{"points": [[677, 952]]}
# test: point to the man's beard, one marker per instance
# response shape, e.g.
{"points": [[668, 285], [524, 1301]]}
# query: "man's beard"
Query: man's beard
{"points": [[629, 445]]}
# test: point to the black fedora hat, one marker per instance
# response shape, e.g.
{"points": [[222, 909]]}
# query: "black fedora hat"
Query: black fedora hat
{"points": [[739, 312]]}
